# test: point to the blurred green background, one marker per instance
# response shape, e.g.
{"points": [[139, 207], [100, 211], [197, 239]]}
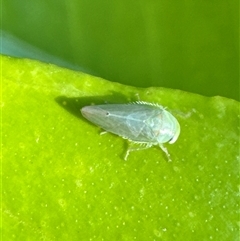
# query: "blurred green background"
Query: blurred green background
{"points": [[187, 45]]}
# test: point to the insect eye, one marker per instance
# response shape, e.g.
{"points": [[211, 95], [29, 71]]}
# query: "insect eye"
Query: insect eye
{"points": [[107, 113]]}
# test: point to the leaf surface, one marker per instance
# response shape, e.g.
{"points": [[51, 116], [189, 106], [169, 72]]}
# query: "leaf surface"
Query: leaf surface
{"points": [[64, 181]]}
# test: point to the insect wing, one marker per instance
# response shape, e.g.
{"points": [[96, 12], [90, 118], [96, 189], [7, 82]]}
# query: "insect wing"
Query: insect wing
{"points": [[136, 122], [143, 124]]}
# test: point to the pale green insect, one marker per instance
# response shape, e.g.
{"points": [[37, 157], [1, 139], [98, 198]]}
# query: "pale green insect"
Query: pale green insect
{"points": [[140, 122]]}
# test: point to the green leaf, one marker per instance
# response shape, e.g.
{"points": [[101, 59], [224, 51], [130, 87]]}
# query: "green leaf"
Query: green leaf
{"points": [[63, 181], [141, 43]]}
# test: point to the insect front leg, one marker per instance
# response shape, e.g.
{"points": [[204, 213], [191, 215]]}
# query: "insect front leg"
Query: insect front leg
{"points": [[165, 151]]}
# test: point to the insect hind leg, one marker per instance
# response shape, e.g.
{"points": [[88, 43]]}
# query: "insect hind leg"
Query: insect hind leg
{"points": [[132, 147]]}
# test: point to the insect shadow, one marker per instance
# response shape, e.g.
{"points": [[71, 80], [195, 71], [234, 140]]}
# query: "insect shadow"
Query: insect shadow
{"points": [[74, 104]]}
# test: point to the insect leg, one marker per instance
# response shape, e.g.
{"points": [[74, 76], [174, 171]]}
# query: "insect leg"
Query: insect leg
{"points": [[103, 132], [165, 151], [132, 148]]}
